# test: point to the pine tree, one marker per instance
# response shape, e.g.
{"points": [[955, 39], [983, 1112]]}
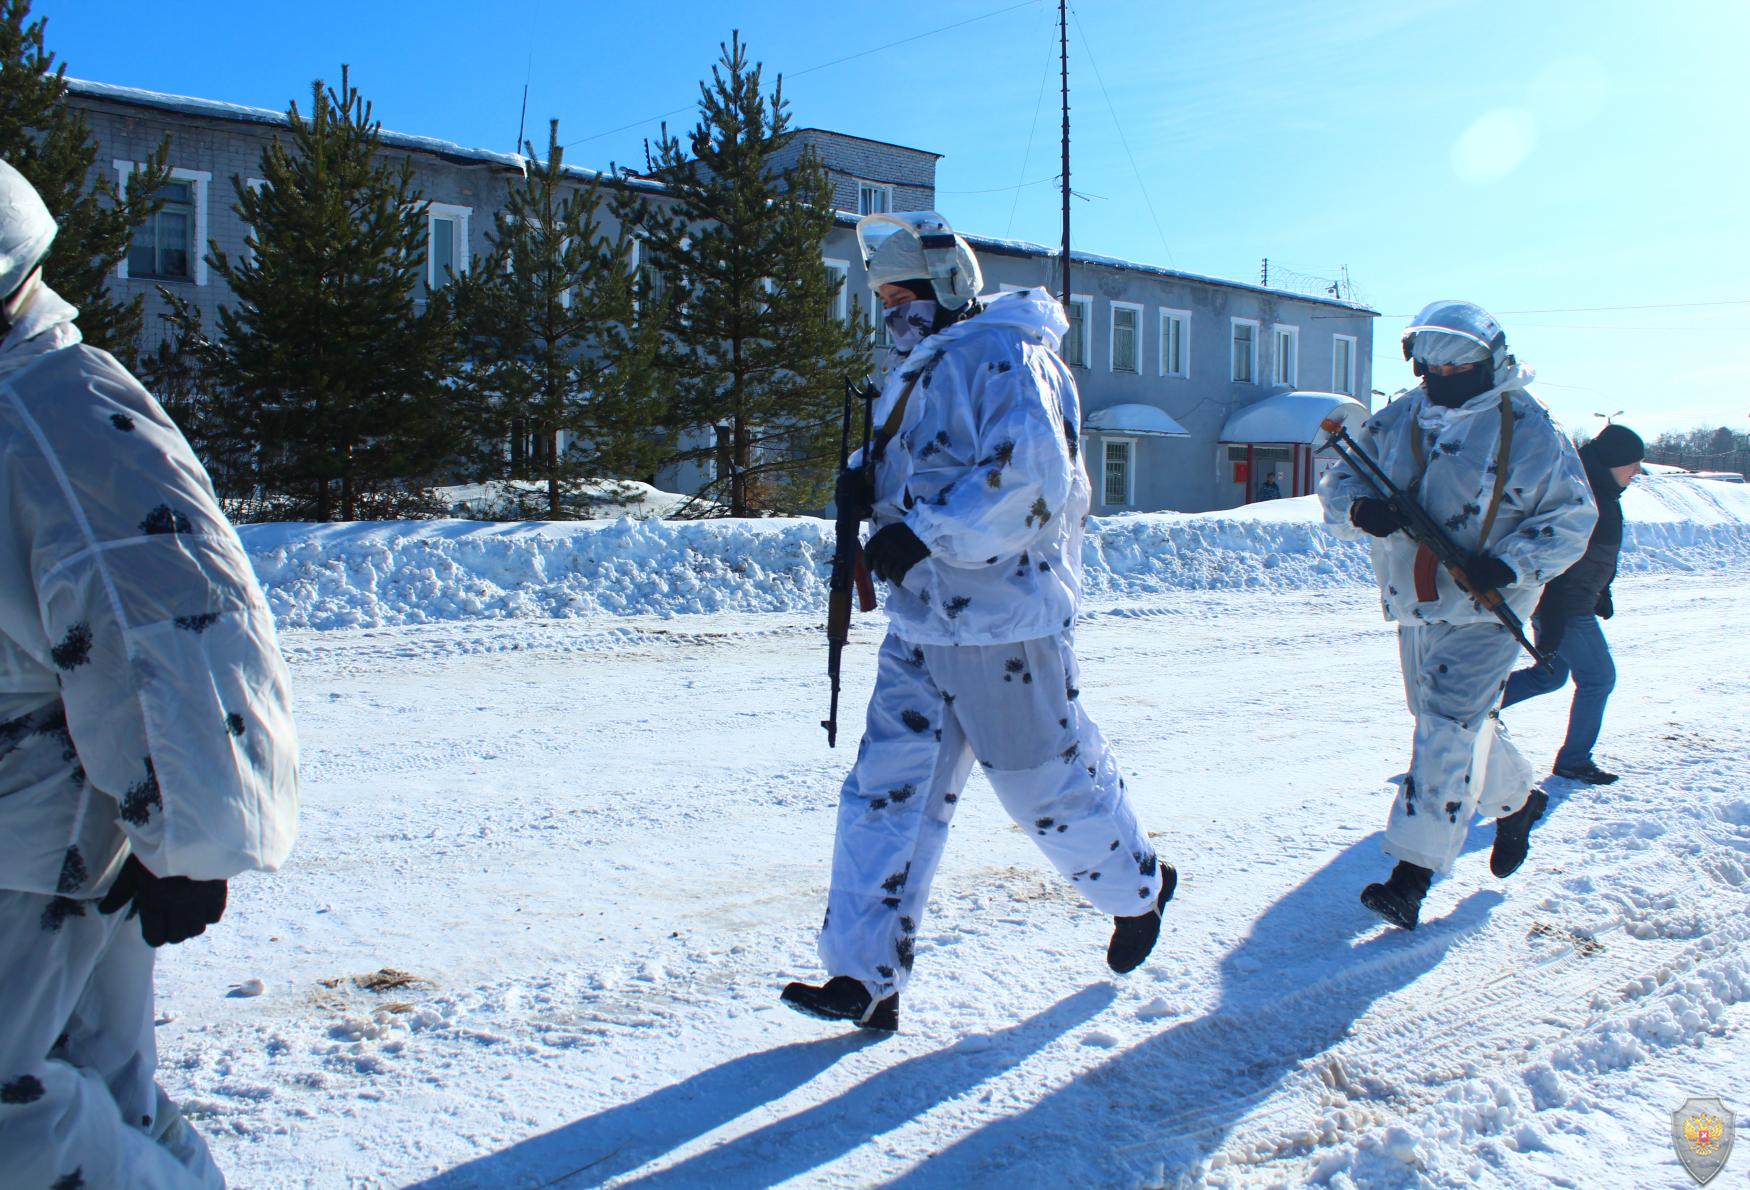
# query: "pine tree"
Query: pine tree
{"points": [[330, 368], [50, 143], [562, 355], [755, 351]]}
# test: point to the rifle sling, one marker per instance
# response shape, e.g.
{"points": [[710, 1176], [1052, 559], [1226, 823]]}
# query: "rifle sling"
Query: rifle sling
{"points": [[890, 427], [1427, 567]]}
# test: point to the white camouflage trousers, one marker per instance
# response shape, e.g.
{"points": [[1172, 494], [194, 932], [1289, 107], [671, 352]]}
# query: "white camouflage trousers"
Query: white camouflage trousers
{"points": [[78, 1105], [1462, 761], [936, 708]]}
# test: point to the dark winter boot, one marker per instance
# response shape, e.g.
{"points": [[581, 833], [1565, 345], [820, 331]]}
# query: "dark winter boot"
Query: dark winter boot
{"points": [[1399, 899], [1134, 937], [1513, 834], [1590, 773], [842, 998]]}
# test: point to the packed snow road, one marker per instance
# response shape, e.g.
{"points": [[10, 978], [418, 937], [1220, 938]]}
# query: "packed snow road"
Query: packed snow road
{"points": [[553, 874]]}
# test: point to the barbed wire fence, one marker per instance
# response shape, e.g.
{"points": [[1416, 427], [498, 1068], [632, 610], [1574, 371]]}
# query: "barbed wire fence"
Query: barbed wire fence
{"points": [[1272, 275]]}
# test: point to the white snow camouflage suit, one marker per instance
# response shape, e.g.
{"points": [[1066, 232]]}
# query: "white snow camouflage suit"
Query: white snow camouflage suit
{"points": [[978, 663], [143, 707], [1455, 654]]}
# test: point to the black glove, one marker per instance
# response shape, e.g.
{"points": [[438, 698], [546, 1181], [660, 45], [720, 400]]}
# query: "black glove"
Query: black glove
{"points": [[1550, 630], [1605, 608], [1488, 573], [171, 908], [894, 550], [1376, 517], [854, 494]]}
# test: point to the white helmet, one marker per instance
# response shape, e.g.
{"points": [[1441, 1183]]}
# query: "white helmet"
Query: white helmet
{"points": [[1454, 332], [26, 229], [913, 244]]}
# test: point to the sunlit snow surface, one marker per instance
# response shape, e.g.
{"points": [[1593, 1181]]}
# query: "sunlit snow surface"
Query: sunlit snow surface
{"points": [[569, 783]]}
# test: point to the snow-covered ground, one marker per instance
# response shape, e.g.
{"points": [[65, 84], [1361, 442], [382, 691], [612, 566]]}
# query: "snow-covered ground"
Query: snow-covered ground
{"points": [[568, 813]]}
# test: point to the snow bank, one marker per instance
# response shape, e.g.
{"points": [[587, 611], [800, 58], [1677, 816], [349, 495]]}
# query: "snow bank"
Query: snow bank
{"points": [[390, 573]]}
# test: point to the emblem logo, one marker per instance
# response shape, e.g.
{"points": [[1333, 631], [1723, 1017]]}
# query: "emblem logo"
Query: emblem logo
{"points": [[1702, 1132]]}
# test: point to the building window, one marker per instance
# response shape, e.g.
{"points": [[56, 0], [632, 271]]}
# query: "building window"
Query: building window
{"points": [[1118, 453], [1075, 342], [446, 243], [1343, 364], [878, 319], [1287, 344], [1126, 336], [1175, 343], [838, 274], [874, 198], [168, 246], [1245, 351]]}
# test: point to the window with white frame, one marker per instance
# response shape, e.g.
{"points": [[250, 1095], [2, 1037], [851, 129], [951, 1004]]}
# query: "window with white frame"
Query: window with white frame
{"points": [[1343, 364], [873, 198], [1119, 456], [446, 242], [1245, 350], [168, 246], [838, 274], [1175, 342], [248, 256], [1076, 340], [1126, 337], [1287, 345]]}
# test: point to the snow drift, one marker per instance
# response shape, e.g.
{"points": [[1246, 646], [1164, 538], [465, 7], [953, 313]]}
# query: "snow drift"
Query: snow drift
{"points": [[382, 574]]}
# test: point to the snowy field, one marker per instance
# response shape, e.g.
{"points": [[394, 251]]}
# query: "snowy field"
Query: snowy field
{"points": [[567, 820]]}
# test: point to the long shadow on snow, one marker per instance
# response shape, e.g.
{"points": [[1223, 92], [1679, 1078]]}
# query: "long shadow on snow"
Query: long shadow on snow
{"points": [[1311, 966], [624, 1137]]}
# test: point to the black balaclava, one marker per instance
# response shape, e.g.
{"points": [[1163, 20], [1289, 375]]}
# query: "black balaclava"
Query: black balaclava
{"points": [[1449, 392]]}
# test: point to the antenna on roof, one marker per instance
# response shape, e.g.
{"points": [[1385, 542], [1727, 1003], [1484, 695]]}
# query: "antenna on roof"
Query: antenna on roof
{"points": [[523, 115]]}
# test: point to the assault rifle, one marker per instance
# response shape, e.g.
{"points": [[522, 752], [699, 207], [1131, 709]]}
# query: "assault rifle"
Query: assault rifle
{"points": [[848, 569], [1437, 547]]}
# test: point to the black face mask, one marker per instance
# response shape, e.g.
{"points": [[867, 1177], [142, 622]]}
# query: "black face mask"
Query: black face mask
{"points": [[1449, 392]]}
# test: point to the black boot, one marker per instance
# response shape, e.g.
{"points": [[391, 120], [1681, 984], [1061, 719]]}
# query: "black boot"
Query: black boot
{"points": [[1513, 835], [1134, 937], [1399, 899], [842, 998], [1590, 773]]}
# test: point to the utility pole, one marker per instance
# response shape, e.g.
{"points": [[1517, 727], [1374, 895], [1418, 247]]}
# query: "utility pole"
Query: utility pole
{"points": [[1063, 49]]}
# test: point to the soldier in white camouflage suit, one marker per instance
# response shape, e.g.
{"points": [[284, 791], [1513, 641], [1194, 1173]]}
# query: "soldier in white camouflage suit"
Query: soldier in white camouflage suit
{"points": [[147, 752], [1483, 458], [977, 499]]}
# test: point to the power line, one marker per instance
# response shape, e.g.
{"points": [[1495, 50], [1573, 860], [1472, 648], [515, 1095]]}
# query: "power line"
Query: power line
{"points": [[824, 65], [1122, 139], [1027, 153], [1592, 309]]}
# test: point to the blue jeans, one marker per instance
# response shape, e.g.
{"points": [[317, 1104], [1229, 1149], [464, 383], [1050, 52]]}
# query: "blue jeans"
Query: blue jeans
{"points": [[1585, 654]]}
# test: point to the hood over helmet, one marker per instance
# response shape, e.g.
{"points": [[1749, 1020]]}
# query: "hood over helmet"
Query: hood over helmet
{"points": [[920, 244], [26, 229]]}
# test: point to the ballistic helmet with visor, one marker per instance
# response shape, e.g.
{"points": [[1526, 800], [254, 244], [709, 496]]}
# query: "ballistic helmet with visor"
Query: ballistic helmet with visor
{"points": [[1453, 332], [26, 229], [907, 245]]}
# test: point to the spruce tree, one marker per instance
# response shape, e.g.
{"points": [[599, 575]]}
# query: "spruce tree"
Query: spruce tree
{"points": [[561, 383], [329, 367], [755, 353], [50, 143]]}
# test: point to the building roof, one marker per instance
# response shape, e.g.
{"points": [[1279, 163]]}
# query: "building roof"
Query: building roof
{"points": [[868, 140], [215, 109]]}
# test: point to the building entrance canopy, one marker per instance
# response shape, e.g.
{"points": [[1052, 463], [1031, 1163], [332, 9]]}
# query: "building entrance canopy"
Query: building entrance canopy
{"points": [[1135, 419], [1291, 417]]}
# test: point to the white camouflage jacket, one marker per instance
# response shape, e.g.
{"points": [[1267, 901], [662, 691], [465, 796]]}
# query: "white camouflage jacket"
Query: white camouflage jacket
{"points": [[986, 469], [1546, 512], [143, 701]]}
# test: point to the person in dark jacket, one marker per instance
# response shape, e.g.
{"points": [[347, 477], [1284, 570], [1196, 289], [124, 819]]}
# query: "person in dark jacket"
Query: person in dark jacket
{"points": [[1567, 616]]}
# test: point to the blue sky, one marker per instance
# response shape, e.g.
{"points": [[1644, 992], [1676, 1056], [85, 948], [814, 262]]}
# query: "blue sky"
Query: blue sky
{"points": [[1577, 167]]}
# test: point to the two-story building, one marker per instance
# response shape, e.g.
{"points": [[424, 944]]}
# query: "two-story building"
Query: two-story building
{"points": [[1195, 390]]}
